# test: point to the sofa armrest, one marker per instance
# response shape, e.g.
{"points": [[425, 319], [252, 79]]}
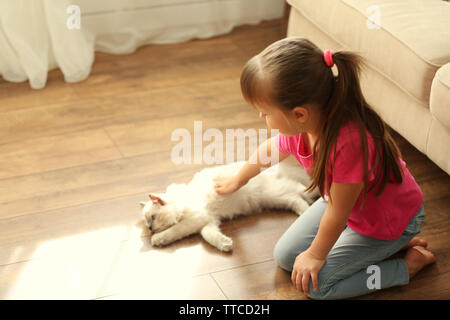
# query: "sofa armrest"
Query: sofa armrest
{"points": [[440, 95]]}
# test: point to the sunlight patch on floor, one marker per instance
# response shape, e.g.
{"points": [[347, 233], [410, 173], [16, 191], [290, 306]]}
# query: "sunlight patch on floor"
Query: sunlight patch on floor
{"points": [[101, 263]]}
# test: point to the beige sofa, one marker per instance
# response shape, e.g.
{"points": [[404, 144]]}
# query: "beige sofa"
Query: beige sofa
{"points": [[407, 46]]}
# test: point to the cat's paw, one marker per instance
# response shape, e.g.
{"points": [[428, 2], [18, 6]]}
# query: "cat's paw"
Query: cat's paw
{"points": [[226, 244], [159, 240], [300, 206]]}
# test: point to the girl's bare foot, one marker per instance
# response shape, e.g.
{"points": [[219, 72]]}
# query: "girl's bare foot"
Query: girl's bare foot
{"points": [[416, 241], [416, 258]]}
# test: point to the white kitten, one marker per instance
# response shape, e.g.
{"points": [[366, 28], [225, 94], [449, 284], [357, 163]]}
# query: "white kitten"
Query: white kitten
{"points": [[186, 209]]}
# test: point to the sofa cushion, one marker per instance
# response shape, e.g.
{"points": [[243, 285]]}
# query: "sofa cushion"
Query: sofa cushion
{"points": [[440, 95], [406, 41], [438, 146]]}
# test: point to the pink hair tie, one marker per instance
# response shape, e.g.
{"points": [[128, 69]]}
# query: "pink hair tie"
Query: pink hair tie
{"points": [[328, 57]]}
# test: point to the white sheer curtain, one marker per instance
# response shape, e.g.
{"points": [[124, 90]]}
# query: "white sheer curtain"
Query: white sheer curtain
{"points": [[35, 36]]}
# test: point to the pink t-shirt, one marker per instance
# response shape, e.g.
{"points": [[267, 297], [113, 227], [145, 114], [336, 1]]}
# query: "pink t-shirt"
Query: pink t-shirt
{"points": [[384, 217]]}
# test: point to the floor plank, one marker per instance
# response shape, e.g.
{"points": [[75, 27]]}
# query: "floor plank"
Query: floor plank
{"points": [[195, 288], [258, 281], [91, 182], [56, 152], [17, 96]]}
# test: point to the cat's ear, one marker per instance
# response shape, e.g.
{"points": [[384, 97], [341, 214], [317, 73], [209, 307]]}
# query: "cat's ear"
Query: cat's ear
{"points": [[142, 203], [156, 199]]}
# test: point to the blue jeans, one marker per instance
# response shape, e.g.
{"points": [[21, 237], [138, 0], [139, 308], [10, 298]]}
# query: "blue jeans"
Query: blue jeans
{"points": [[346, 272]]}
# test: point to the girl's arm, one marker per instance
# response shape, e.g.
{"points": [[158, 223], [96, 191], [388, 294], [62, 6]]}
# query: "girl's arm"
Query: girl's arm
{"points": [[252, 167], [335, 218], [308, 263]]}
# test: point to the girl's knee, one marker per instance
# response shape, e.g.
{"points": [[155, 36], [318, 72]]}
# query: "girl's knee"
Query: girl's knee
{"points": [[283, 257], [285, 252]]}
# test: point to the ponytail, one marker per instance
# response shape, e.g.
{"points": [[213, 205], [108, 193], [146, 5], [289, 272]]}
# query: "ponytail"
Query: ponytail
{"points": [[347, 102]]}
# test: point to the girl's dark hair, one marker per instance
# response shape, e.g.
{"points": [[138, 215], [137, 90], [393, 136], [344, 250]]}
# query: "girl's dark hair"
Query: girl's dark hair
{"points": [[291, 72]]}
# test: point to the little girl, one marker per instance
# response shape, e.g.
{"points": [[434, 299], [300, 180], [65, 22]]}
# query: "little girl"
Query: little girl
{"points": [[371, 206]]}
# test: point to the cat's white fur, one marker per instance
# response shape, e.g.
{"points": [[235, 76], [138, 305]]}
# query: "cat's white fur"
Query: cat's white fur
{"points": [[195, 207]]}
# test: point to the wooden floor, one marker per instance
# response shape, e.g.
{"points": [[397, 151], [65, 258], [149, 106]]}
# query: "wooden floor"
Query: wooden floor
{"points": [[76, 159]]}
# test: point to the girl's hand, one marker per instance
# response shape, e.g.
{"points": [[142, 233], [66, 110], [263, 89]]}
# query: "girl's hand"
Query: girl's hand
{"points": [[306, 266], [226, 185]]}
